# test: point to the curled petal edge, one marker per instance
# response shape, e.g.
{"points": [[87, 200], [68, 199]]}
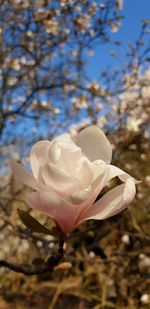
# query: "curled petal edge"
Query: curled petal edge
{"points": [[114, 171], [112, 202]]}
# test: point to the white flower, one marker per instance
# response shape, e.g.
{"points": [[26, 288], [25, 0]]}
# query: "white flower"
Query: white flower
{"points": [[68, 177]]}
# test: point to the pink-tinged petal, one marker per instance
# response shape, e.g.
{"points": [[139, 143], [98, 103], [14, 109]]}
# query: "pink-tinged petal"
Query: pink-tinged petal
{"points": [[94, 144], [66, 141], [50, 204], [80, 198], [84, 172], [84, 198], [114, 171], [54, 175], [90, 197], [22, 175], [58, 179], [64, 152], [36, 201], [112, 202], [39, 156], [70, 158], [129, 191], [54, 153], [99, 167], [62, 143]]}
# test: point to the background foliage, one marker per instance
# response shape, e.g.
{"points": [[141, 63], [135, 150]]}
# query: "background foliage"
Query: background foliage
{"points": [[45, 89]]}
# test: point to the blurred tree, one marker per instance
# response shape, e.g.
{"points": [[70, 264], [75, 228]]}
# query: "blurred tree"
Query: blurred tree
{"points": [[42, 56], [44, 83]]}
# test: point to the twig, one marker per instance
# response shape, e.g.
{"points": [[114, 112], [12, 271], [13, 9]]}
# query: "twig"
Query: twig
{"points": [[30, 270]]}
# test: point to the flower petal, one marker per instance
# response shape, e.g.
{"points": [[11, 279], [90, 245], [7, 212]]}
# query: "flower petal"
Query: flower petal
{"points": [[23, 176], [50, 204], [99, 168], [114, 171], [39, 156], [62, 143], [66, 141], [112, 202], [84, 172], [58, 179], [90, 197], [64, 152], [94, 144]]}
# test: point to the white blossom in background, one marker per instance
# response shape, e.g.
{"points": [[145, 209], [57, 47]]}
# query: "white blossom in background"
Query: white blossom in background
{"points": [[12, 81], [144, 261], [125, 239], [66, 2], [90, 52], [133, 124], [102, 121], [79, 102], [114, 27], [145, 299], [119, 4], [93, 87], [83, 23], [136, 99], [52, 26], [56, 110]]}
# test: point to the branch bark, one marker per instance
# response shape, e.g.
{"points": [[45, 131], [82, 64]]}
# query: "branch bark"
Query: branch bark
{"points": [[30, 270]]}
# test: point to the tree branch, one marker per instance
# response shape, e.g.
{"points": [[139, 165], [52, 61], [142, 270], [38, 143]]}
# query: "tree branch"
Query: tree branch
{"points": [[44, 267]]}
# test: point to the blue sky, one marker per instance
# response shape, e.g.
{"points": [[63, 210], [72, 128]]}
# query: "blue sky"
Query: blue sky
{"points": [[133, 12]]}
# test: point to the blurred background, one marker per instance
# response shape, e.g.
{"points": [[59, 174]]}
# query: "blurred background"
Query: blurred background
{"points": [[63, 66]]}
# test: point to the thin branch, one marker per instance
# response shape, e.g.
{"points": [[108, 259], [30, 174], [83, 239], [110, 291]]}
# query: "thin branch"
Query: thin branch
{"points": [[30, 270]]}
